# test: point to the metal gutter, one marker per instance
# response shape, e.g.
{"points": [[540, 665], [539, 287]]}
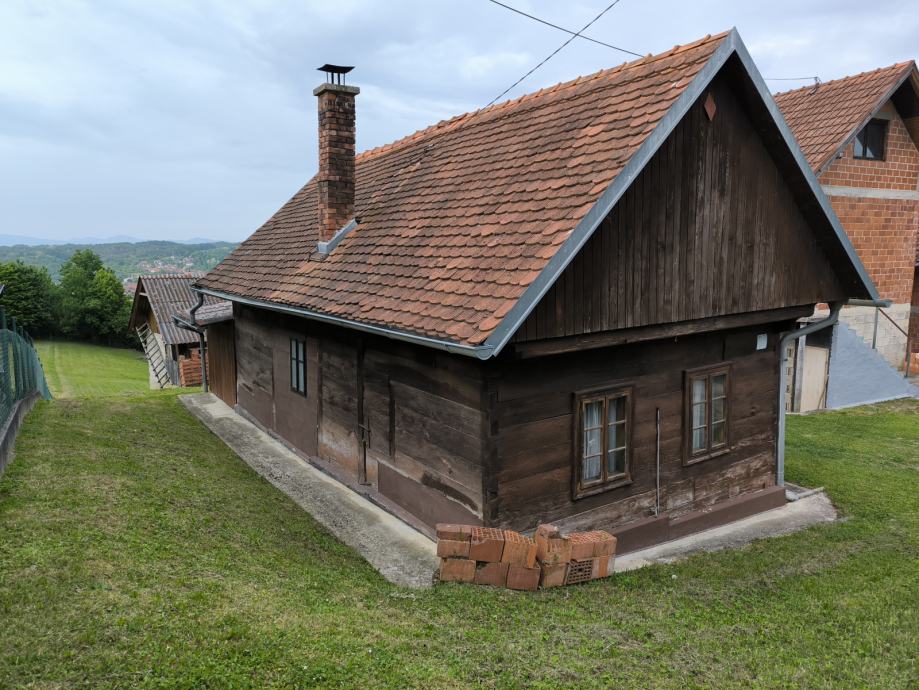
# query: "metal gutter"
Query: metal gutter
{"points": [[830, 320], [480, 351], [783, 381], [193, 326]]}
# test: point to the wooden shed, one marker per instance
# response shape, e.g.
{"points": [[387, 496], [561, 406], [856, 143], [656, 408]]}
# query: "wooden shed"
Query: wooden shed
{"points": [[173, 353], [562, 308]]}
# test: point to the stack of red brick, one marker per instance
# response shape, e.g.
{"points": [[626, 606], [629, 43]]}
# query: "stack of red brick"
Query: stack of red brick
{"points": [[504, 558]]}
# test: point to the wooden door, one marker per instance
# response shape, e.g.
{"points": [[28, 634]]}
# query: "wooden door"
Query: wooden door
{"points": [[814, 378]]}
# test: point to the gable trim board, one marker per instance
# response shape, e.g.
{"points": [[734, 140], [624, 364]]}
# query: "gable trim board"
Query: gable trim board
{"points": [[730, 46]]}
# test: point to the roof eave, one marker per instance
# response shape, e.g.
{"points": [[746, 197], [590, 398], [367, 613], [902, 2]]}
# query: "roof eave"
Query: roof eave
{"points": [[478, 351]]}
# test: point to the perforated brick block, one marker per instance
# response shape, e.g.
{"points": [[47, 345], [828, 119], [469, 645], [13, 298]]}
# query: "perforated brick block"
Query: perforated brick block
{"points": [[456, 570], [487, 544], [453, 532], [600, 567], [522, 578], [582, 546], [552, 550], [552, 575], [451, 548], [592, 544], [548, 531], [518, 549], [494, 574], [579, 571]]}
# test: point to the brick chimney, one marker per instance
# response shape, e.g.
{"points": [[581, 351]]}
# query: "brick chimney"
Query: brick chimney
{"points": [[336, 151]]}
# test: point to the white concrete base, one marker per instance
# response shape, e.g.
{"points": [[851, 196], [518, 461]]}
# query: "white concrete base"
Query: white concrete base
{"points": [[791, 517], [401, 554]]}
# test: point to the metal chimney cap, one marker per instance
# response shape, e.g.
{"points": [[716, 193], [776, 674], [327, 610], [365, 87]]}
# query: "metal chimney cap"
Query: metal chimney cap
{"points": [[335, 74]]}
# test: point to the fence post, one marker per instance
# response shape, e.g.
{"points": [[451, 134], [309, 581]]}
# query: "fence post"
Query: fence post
{"points": [[17, 378], [5, 362]]}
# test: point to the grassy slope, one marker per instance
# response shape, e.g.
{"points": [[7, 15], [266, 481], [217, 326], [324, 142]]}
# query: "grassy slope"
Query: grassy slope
{"points": [[80, 369], [137, 551]]}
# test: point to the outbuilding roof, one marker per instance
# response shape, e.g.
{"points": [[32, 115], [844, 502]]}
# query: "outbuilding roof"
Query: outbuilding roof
{"points": [[464, 226], [169, 294], [825, 117]]}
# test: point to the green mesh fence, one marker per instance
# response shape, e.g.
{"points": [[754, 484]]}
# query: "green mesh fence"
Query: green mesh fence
{"points": [[21, 373]]}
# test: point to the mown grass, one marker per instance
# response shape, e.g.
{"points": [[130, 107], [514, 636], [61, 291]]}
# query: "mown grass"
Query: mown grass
{"points": [[137, 551], [80, 369]]}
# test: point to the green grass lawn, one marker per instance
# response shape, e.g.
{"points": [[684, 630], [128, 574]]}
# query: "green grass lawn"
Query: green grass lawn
{"points": [[137, 551], [79, 369]]}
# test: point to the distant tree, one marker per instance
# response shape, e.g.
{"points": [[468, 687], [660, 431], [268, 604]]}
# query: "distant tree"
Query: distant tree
{"points": [[92, 304], [29, 296], [107, 309]]}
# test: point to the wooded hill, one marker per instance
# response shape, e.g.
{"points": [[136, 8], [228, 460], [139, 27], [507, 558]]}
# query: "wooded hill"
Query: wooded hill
{"points": [[126, 259]]}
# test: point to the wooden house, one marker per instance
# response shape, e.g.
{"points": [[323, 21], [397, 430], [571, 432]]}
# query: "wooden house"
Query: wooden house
{"points": [[860, 136], [173, 353], [562, 308]]}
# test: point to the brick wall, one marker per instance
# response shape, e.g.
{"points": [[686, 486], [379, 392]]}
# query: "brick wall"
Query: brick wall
{"points": [[898, 170], [883, 231], [190, 368]]}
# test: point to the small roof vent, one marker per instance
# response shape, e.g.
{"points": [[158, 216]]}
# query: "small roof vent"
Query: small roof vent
{"points": [[335, 74]]}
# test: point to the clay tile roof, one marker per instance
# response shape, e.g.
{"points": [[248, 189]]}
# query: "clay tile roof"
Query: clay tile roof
{"points": [[170, 294], [825, 118], [457, 220]]}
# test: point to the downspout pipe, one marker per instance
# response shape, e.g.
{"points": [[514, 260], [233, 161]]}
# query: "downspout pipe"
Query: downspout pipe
{"points": [[200, 331], [830, 320]]}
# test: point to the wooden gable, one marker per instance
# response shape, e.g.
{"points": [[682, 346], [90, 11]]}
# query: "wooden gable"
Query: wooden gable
{"points": [[709, 228]]}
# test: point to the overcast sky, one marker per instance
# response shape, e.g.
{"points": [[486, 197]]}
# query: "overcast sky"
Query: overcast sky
{"points": [[170, 120]]}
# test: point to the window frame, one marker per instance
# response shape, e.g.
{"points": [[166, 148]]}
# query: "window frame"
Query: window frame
{"points": [[580, 489], [884, 126], [691, 457], [297, 361]]}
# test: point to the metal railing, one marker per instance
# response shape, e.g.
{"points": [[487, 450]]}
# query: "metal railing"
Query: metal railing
{"points": [[874, 338]]}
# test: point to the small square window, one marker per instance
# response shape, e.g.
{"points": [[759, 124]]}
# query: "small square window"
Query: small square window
{"points": [[707, 400], [298, 366], [869, 143], [602, 458]]}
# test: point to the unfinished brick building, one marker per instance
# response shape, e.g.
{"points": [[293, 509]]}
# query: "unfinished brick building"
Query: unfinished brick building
{"points": [[860, 136]]}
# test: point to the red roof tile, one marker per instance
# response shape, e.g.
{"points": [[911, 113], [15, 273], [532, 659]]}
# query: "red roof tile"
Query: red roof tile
{"points": [[458, 219], [824, 118]]}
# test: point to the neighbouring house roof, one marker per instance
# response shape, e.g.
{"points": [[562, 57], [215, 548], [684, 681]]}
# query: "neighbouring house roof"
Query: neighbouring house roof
{"points": [[212, 313], [824, 118], [464, 226], [167, 295]]}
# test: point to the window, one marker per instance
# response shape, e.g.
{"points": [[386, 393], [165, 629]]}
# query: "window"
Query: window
{"points": [[707, 393], [870, 141], [604, 426], [298, 366]]}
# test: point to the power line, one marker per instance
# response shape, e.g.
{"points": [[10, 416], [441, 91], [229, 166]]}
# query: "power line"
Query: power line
{"points": [[555, 52], [562, 28], [816, 79]]}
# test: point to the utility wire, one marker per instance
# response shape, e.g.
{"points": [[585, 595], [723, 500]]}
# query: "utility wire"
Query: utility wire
{"points": [[554, 52], [562, 28]]}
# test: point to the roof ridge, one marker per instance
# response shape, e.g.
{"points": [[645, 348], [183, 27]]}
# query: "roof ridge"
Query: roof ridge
{"points": [[455, 121], [894, 67]]}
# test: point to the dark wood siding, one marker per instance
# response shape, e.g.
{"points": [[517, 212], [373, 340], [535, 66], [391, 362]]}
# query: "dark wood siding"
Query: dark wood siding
{"points": [[708, 228], [254, 369], [534, 439], [221, 360]]}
